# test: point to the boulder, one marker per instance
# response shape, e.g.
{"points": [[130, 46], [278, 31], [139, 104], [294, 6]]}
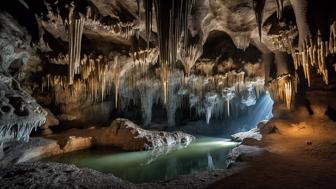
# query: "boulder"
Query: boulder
{"points": [[129, 136], [77, 143], [38, 148], [251, 134], [266, 128], [245, 153], [51, 121]]}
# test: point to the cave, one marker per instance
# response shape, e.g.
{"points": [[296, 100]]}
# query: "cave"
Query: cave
{"points": [[168, 94]]}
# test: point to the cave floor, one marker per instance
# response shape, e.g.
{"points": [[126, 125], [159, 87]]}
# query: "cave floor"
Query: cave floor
{"points": [[301, 155], [298, 155]]}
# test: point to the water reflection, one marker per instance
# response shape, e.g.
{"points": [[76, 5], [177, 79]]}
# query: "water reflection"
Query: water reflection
{"points": [[201, 155]]}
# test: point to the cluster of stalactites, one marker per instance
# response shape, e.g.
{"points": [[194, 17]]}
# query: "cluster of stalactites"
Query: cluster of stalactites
{"points": [[229, 79], [91, 23], [217, 101], [252, 69], [205, 66], [283, 89], [202, 85], [120, 29], [96, 77], [226, 66], [146, 57], [76, 27], [314, 53], [188, 58], [172, 26], [284, 40]]}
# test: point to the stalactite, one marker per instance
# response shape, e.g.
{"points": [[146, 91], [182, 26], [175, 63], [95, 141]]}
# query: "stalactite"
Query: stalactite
{"points": [[149, 16], [258, 6], [288, 94], [280, 5], [75, 32]]}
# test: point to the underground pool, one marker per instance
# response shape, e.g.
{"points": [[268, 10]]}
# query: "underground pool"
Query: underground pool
{"points": [[203, 154]]}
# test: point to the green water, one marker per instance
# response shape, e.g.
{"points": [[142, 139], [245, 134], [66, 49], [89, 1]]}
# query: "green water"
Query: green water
{"points": [[138, 167]]}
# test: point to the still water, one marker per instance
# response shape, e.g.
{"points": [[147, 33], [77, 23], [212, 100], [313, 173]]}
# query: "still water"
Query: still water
{"points": [[138, 167]]}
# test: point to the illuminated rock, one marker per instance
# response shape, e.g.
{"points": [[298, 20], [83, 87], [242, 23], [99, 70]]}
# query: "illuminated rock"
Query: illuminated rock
{"points": [[129, 136]]}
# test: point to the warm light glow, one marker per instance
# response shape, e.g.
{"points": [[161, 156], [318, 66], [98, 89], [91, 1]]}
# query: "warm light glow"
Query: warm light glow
{"points": [[283, 89], [314, 53]]}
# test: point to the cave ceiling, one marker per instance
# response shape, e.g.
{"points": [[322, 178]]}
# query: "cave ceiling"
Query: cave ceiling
{"points": [[214, 53]]}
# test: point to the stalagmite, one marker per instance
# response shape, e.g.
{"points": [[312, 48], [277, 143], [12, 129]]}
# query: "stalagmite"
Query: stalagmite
{"points": [[88, 13], [228, 94], [174, 100], [147, 89], [209, 103], [164, 75], [249, 98]]}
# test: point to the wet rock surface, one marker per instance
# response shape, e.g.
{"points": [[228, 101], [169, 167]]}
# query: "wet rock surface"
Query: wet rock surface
{"points": [[55, 175], [129, 136], [252, 134], [122, 133]]}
